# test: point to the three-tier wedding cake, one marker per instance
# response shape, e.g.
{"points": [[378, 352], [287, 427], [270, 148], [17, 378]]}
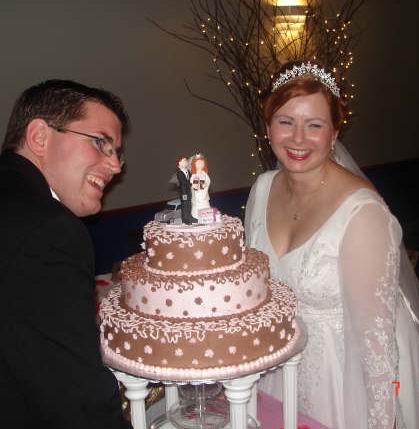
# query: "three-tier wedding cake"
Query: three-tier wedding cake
{"points": [[197, 304]]}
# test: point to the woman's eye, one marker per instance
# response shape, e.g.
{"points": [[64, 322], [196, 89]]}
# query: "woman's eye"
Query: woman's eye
{"points": [[284, 122], [315, 125]]}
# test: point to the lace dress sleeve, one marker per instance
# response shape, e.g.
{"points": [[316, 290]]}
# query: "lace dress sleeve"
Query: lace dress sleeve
{"points": [[369, 267]]}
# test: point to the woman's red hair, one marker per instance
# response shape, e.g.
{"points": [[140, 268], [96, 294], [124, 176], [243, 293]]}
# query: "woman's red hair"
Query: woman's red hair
{"points": [[193, 168]]}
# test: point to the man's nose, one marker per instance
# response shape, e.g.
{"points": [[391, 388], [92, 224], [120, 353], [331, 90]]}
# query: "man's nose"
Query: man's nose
{"points": [[114, 164]]}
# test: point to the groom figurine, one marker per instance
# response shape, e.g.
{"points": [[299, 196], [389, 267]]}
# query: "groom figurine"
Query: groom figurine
{"points": [[183, 176]]}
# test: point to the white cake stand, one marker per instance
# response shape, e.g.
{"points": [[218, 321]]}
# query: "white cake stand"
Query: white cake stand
{"points": [[240, 392]]}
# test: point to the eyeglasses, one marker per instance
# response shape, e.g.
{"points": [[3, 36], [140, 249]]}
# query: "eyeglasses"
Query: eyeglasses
{"points": [[103, 144]]}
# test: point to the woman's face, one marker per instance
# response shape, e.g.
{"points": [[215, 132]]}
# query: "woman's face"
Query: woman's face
{"points": [[301, 133], [199, 164]]}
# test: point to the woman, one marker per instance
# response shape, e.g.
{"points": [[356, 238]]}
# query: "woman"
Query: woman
{"points": [[330, 236], [200, 182]]}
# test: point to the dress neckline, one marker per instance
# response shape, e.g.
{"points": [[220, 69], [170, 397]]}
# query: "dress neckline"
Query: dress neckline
{"points": [[315, 233]]}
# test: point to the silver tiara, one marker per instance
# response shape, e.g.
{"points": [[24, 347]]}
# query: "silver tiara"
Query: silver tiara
{"points": [[307, 69]]}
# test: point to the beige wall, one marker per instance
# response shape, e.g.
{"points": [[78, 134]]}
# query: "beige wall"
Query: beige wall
{"points": [[110, 43]]}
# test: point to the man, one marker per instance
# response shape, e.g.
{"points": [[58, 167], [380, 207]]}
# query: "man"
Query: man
{"points": [[183, 176], [62, 147]]}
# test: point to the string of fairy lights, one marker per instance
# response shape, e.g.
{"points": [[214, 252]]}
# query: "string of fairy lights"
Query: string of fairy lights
{"points": [[236, 80]]}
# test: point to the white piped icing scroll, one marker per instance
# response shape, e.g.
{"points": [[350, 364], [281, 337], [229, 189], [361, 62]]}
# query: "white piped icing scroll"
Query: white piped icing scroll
{"points": [[220, 372]]}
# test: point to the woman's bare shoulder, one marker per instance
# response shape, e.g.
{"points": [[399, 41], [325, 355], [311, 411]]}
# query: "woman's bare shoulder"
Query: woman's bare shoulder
{"points": [[350, 182], [345, 183]]}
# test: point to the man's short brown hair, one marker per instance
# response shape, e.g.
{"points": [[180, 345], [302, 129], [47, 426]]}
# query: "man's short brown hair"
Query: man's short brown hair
{"points": [[57, 102]]}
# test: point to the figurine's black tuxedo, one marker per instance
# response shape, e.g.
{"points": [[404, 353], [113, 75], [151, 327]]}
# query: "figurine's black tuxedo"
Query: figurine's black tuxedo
{"points": [[51, 372], [185, 196]]}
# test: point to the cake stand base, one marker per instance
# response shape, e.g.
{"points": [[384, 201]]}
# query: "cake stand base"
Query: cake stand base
{"points": [[163, 423], [200, 413], [241, 394]]}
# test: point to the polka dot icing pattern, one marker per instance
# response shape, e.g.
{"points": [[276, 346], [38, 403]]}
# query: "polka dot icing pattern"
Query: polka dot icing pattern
{"points": [[215, 348], [219, 294], [194, 249]]}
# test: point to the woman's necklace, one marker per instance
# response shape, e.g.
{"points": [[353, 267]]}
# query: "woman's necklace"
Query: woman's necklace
{"points": [[297, 213]]}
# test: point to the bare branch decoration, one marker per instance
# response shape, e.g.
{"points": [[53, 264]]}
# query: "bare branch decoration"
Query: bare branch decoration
{"points": [[248, 40]]}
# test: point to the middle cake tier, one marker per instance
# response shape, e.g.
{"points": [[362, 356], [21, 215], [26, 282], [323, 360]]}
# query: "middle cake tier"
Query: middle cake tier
{"points": [[220, 293]]}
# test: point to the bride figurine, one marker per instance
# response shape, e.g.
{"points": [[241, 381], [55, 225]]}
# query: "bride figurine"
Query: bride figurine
{"points": [[330, 236], [200, 183]]}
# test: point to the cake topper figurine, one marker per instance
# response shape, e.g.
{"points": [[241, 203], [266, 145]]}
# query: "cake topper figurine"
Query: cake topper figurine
{"points": [[183, 176], [200, 182]]}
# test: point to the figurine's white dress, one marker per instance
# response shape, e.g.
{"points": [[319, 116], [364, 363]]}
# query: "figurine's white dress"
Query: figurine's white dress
{"points": [[200, 197], [361, 335]]}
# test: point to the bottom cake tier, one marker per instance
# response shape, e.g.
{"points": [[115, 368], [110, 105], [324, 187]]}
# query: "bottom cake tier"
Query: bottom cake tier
{"points": [[171, 349]]}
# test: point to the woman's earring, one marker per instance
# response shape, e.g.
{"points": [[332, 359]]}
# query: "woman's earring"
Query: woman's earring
{"points": [[332, 149], [269, 142]]}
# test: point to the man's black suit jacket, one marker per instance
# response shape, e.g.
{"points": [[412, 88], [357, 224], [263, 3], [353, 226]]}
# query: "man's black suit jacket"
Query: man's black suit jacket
{"points": [[51, 372], [184, 185]]}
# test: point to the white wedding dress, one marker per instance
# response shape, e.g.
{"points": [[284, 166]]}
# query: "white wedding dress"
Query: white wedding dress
{"points": [[362, 336], [200, 197]]}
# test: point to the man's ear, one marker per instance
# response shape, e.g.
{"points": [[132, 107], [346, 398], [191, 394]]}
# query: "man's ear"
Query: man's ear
{"points": [[36, 136]]}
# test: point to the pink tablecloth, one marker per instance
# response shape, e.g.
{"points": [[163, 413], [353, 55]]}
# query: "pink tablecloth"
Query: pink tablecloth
{"points": [[269, 409], [270, 415]]}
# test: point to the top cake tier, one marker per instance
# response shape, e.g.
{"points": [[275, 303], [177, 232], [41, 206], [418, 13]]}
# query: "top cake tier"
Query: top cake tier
{"points": [[194, 249]]}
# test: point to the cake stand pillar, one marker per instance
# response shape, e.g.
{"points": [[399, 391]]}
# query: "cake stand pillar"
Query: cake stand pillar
{"points": [[238, 393], [252, 406], [136, 392], [171, 395], [289, 379]]}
